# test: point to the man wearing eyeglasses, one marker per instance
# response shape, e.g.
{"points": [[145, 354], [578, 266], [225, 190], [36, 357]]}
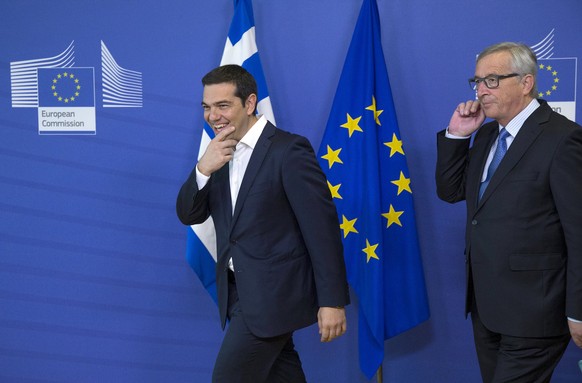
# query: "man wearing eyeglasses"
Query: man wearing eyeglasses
{"points": [[522, 181]]}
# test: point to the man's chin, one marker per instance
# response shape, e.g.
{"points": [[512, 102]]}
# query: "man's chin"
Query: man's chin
{"points": [[488, 109]]}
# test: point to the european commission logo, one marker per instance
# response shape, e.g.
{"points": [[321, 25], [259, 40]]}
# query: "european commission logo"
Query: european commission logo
{"points": [[557, 78], [66, 100], [64, 94]]}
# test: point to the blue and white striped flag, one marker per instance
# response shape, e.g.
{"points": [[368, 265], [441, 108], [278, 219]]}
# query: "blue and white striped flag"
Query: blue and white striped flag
{"points": [[241, 49]]}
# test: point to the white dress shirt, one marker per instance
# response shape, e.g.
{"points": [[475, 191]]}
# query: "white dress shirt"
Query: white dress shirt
{"points": [[239, 163]]}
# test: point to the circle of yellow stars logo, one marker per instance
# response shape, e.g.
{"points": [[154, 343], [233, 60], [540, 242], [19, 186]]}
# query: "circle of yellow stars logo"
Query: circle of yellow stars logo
{"points": [[554, 87], [71, 86]]}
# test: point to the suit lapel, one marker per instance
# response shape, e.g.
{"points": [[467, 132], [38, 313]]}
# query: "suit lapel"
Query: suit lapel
{"points": [[257, 158], [526, 136]]}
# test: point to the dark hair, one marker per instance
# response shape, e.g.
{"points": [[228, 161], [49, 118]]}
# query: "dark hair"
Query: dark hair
{"points": [[243, 81]]}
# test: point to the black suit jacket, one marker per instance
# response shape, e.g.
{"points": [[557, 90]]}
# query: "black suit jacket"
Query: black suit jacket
{"points": [[283, 237], [524, 237]]}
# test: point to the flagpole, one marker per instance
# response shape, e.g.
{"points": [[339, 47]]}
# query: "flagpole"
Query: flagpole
{"points": [[379, 377]]}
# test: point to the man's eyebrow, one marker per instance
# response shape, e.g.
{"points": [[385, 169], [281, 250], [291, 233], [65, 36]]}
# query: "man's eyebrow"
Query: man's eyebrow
{"points": [[488, 75], [217, 102]]}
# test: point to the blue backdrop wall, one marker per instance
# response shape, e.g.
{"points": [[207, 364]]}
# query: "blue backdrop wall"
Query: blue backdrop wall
{"points": [[94, 285]]}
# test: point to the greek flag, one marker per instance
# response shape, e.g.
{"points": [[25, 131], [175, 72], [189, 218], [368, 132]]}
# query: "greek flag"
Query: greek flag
{"points": [[241, 49]]}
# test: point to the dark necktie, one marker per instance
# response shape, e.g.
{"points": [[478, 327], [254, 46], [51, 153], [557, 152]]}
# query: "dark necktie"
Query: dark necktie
{"points": [[497, 157]]}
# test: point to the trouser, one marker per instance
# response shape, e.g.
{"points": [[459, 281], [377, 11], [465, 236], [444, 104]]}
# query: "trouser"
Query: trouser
{"points": [[246, 358], [504, 358]]}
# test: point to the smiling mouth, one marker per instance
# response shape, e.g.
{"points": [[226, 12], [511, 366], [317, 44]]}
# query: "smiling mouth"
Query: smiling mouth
{"points": [[219, 127]]}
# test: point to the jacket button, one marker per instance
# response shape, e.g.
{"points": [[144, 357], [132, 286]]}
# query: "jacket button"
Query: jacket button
{"points": [[474, 222]]}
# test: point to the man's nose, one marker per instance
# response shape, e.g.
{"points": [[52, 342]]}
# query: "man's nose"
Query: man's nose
{"points": [[481, 88], [213, 115]]}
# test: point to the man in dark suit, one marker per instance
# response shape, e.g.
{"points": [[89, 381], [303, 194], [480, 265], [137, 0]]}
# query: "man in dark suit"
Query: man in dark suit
{"points": [[280, 260], [522, 182]]}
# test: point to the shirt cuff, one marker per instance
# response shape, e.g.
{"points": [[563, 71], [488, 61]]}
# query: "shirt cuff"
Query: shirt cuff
{"points": [[201, 179], [574, 320], [449, 135]]}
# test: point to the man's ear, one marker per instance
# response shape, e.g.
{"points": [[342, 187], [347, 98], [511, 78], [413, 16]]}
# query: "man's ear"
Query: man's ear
{"points": [[528, 83], [251, 104]]}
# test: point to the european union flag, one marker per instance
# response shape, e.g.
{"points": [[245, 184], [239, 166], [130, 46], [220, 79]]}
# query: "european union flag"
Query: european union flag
{"points": [[364, 160], [557, 79], [66, 87]]}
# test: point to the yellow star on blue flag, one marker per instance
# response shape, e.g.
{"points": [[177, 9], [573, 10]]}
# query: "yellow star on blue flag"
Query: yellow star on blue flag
{"points": [[376, 209]]}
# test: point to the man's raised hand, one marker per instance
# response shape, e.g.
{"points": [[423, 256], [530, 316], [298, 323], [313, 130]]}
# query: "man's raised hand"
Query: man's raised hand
{"points": [[218, 152], [466, 119]]}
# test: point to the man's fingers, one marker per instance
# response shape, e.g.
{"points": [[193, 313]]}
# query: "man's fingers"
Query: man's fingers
{"points": [[475, 106], [576, 332], [227, 146], [219, 151], [468, 108], [228, 152], [324, 335], [230, 143], [329, 334], [332, 323], [223, 134]]}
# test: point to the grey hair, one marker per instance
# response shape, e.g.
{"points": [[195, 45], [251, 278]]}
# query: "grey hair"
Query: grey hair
{"points": [[523, 60]]}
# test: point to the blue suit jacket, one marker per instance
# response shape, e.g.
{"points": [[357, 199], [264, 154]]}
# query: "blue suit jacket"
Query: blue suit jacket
{"points": [[283, 237]]}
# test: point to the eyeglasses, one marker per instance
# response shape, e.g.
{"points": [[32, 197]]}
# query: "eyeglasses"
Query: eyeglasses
{"points": [[491, 81]]}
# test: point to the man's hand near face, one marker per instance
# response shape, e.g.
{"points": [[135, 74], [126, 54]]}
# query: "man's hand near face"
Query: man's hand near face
{"points": [[466, 119], [218, 152]]}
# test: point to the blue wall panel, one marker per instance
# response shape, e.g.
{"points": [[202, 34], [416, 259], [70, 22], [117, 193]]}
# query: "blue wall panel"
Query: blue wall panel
{"points": [[94, 284]]}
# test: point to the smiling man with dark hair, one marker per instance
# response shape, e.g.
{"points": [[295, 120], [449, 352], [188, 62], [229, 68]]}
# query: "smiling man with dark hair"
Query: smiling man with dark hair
{"points": [[280, 260]]}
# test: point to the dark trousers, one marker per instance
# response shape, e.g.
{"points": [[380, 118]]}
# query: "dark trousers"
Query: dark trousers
{"points": [[246, 358], [504, 358]]}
